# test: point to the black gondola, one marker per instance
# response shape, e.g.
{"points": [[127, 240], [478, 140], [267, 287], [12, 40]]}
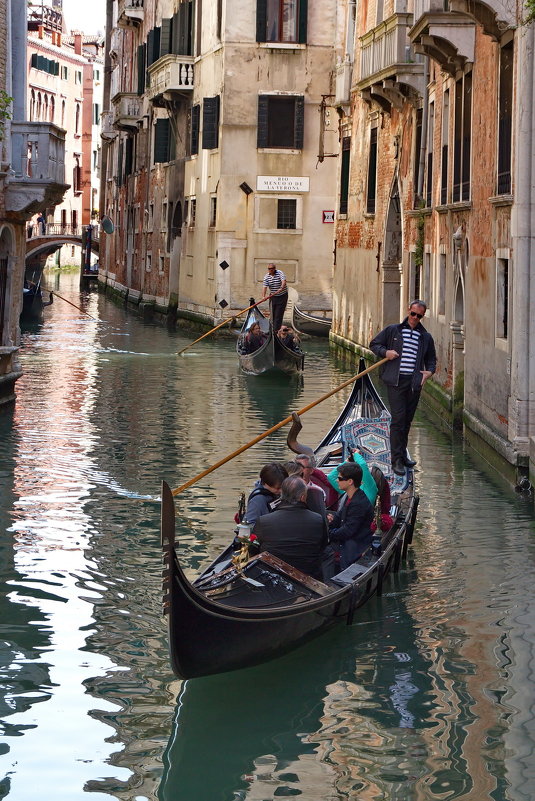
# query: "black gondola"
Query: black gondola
{"points": [[33, 303], [236, 616], [272, 354], [311, 323]]}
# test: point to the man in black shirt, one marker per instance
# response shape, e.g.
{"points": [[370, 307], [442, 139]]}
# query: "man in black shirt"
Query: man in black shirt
{"points": [[292, 532], [411, 355]]}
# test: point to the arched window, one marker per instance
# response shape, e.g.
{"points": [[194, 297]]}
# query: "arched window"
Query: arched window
{"points": [[62, 113], [32, 106], [45, 108], [52, 109], [38, 107], [77, 119]]}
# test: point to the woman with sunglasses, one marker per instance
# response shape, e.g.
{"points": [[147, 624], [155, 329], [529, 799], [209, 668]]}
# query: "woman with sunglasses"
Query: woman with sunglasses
{"points": [[350, 531], [412, 359]]}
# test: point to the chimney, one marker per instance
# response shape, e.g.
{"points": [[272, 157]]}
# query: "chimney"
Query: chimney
{"points": [[58, 39], [40, 31], [78, 44]]}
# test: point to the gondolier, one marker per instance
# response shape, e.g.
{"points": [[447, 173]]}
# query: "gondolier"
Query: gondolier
{"points": [[274, 284]]}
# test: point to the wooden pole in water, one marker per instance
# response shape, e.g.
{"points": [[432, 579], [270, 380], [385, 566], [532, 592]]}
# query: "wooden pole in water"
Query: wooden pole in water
{"points": [[274, 428], [72, 304]]}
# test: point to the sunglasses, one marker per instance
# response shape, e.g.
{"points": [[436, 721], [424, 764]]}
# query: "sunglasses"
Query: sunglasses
{"points": [[415, 314], [341, 478]]}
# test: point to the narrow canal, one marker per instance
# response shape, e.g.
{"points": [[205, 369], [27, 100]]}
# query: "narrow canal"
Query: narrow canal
{"points": [[430, 694]]}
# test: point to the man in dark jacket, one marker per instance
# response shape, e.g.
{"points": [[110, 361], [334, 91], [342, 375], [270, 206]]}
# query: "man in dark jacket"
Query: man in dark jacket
{"points": [[350, 528], [292, 532], [411, 355]]}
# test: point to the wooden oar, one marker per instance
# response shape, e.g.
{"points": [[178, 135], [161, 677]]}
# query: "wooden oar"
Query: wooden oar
{"points": [[228, 320], [72, 304], [275, 428]]}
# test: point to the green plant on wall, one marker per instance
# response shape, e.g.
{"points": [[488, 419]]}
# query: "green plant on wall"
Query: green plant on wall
{"points": [[419, 252], [5, 110], [530, 8]]}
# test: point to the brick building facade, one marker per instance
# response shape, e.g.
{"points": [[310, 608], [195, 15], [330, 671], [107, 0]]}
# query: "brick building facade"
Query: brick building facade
{"points": [[430, 202]]}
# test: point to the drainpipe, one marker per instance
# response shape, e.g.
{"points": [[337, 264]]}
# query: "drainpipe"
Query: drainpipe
{"points": [[423, 141], [523, 245], [106, 146]]}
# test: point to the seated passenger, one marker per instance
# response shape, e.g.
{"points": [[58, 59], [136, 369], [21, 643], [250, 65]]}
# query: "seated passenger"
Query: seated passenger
{"points": [[315, 495], [254, 339], [288, 337], [368, 484], [314, 477], [265, 495], [350, 528], [292, 532]]}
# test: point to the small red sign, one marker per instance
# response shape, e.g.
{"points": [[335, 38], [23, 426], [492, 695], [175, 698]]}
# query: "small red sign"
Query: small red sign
{"points": [[328, 216]]}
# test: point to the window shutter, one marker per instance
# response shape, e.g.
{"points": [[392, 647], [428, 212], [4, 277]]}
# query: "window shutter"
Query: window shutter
{"points": [[190, 17], [299, 122], [141, 68], [303, 19], [128, 155], [263, 115], [261, 20], [161, 141], [34, 60], [210, 123], [195, 123], [120, 165], [156, 52], [166, 44], [150, 47], [182, 27]]}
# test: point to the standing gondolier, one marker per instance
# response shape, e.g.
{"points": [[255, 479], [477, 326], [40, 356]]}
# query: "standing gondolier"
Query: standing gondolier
{"points": [[411, 355], [274, 284]]}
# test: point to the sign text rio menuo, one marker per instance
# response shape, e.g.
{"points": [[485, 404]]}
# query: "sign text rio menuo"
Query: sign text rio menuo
{"points": [[281, 183]]}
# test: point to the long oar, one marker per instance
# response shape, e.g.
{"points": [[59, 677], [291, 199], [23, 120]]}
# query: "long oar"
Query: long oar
{"points": [[275, 428], [228, 320], [72, 304]]}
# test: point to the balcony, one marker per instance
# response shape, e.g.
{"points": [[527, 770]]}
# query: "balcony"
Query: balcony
{"points": [[126, 110], [107, 131], [37, 176], [495, 17], [170, 76], [130, 12], [390, 71], [445, 36]]}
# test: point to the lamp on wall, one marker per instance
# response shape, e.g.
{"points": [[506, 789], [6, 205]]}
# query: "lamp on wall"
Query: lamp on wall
{"points": [[246, 188]]}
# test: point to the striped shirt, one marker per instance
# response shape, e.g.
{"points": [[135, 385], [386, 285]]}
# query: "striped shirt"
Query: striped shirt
{"points": [[411, 340], [274, 282]]}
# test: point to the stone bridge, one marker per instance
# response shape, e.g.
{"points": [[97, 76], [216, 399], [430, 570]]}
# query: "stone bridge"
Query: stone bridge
{"points": [[42, 239]]}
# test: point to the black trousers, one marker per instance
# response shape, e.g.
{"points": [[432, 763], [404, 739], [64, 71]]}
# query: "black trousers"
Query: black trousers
{"points": [[403, 401], [278, 307]]}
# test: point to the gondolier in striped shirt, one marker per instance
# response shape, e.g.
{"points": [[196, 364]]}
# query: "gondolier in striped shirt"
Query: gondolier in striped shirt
{"points": [[274, 284], [411, 355]]}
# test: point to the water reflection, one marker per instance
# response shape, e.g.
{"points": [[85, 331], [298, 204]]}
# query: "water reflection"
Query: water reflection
{"points": [[430, 696], [337, 718]]}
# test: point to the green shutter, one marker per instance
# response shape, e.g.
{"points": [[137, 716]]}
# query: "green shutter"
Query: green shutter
{"points": [[166, 37], [263, 116], [141, 68], [34, 60], [299, 123], [162, 135], [261, 21], [303, 19], [195, 124], [210, 123]]}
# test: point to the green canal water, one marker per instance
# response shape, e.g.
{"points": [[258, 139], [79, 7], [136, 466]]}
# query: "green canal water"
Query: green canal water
{"points": [[429, 696]]}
